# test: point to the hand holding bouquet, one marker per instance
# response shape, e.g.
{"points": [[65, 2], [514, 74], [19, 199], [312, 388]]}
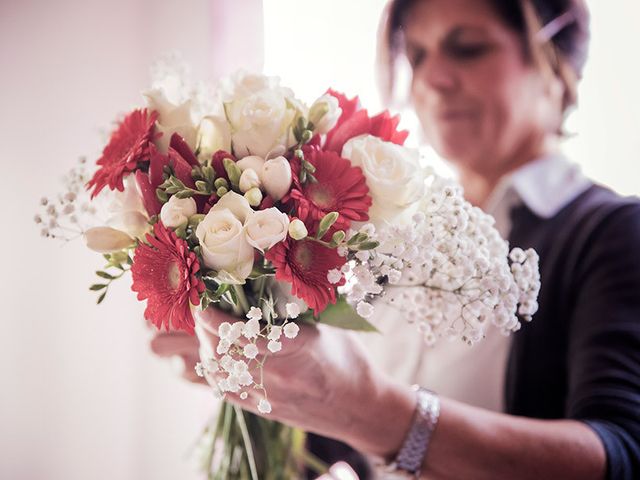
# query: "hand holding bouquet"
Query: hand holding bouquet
{"points": [[240, 197]]}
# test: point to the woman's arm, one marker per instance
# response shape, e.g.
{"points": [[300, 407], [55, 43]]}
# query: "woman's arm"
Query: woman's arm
{"points": [[322, 382]]}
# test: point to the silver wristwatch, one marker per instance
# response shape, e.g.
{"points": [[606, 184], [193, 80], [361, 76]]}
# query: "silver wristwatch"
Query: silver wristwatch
{"points": [[408, 462]]}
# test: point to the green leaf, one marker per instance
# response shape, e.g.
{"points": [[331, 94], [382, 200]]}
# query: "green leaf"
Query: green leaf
{"points": [[233, 171], [342, 315], [105, 275], [97, 286], [101, 297]]}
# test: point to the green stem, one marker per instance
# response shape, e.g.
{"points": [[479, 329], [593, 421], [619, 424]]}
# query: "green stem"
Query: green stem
{"points": [[247, 442], [242, 298], [315, 463]]}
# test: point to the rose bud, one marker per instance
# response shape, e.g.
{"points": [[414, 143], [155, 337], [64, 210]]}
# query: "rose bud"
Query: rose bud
{"points": [[276, 177]]}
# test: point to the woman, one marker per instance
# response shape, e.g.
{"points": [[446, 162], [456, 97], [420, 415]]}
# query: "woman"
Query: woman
{"points": [[492, 80]]}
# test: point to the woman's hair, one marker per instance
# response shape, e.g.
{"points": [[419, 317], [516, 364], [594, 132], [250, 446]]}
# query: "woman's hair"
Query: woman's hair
{"points": [[554, 33]]}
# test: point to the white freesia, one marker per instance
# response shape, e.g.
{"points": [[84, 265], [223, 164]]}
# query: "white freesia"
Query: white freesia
{"points": [[260, 114], [172, 119], [248, 180], [324, 113], [266, 227], [223, 242], [394, 176], [177, 211], [276, 177], [297, 229], [106, 239], [127, 212]]}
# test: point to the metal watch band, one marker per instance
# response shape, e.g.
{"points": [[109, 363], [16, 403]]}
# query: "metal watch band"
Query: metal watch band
{"points": [[414, 448]]}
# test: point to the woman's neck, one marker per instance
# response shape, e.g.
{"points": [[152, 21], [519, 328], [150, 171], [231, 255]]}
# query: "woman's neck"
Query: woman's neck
{"points": [[478, 186]]}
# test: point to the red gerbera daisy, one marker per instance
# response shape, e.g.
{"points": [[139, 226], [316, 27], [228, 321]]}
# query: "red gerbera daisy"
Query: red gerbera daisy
{"points": [[305, 264], [355, 121], [340, 187], [164, 273], [128, 145]]}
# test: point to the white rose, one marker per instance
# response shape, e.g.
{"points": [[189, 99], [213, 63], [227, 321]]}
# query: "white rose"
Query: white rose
{"points": [[266, 227], [324, 113], [394, 176], [177, 211], [106, 239], [214, 133], [224, 246], [238, 205], [172, 119], [276, 177], [127, 210], [260, 114]]}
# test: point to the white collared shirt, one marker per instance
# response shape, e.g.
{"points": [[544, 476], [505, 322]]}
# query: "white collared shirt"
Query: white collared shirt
{"points": [[475, 375]]}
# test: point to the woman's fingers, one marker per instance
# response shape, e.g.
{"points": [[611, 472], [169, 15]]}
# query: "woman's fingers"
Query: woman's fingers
{"points": [[166, 344], [182, 347]]}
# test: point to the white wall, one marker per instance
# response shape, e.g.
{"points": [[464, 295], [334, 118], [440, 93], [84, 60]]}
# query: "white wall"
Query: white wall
{"points": [[81, 395]]}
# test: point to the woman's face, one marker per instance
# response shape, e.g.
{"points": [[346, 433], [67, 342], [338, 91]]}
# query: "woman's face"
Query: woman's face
{"points": [[481, 103]]}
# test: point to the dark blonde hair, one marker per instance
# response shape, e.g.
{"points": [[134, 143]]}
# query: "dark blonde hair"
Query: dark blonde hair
{"points": [[554, 33]]}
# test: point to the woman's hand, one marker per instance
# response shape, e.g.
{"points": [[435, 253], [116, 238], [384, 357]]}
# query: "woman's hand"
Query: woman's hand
{"points": [[322, 382], [182, 345]]}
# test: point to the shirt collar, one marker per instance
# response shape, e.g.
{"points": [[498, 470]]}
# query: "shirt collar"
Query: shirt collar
{"points": [[545, 185]]}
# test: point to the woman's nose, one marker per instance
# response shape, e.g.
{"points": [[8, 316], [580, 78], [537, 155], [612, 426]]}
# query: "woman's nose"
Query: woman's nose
{"points": [[437, 73]]}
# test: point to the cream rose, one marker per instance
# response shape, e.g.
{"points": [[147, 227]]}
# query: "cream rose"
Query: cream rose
{"points": [[260, 114], [177, 211], [222, 239], [394, 176], [172, 119], [266, 227]]}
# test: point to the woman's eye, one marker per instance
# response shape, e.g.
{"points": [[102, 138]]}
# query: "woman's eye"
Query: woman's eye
{"points": [[468, 52], [416, 57]]}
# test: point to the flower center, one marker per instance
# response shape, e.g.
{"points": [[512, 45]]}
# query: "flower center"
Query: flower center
{"points": [[303, 256], [321, 195], [173, 275]]}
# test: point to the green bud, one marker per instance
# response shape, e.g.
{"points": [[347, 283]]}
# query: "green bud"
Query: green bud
{"points": [[201, 186], [307, 135], [297, 229], [253, 196], [357, 238], [162, 195], [338, 237], [368, 245], [184, 194], [181, 231], [318, 110], [233, 171], [220, 192], [194, 220], [299, 153], [325, 224], [221, 182]]}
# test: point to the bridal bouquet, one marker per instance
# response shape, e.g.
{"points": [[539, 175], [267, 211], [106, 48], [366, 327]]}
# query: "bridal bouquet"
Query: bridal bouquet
{"points": [[241, 197]]}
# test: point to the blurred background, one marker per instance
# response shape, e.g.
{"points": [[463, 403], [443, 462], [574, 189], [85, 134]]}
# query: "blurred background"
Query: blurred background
{"points": [[81, 395]]}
